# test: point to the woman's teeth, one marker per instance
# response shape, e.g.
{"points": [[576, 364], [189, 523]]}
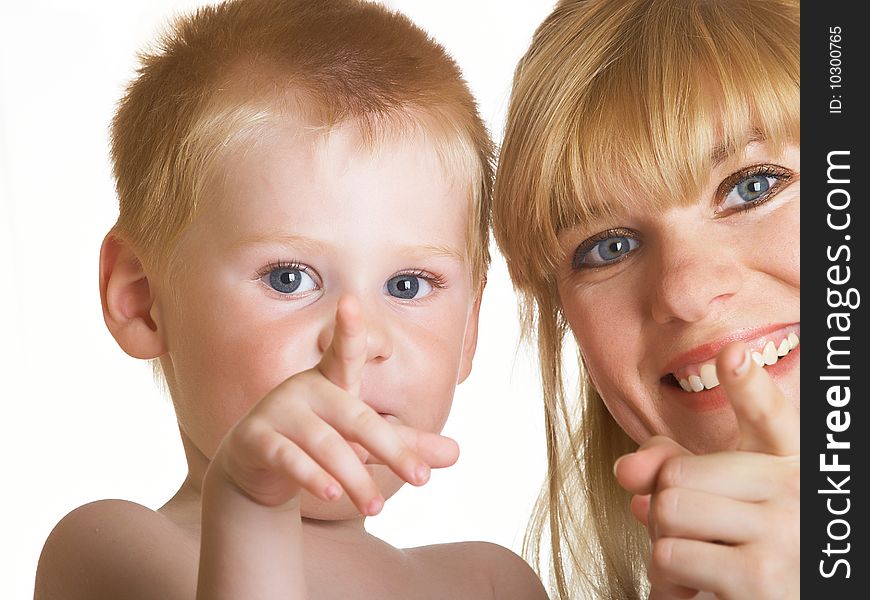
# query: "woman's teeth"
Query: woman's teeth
{"points": [[706, 378]]}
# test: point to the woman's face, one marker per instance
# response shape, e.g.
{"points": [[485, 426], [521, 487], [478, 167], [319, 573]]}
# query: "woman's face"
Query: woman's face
{"points": [[653, 296]]}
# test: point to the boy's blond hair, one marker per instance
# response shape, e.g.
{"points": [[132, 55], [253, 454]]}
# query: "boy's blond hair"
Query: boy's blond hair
{"points": [[232, 72], [617, 104]]}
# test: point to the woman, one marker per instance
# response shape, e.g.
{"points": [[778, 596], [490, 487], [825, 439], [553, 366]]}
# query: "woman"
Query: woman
{"points": [[647, 199]]}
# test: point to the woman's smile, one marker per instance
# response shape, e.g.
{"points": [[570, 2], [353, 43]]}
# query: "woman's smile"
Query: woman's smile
{"points": [[695, 370]]}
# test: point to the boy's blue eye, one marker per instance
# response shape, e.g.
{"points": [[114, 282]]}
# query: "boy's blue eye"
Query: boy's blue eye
{"points": [[408, 287], [290, 279], [605, 248]]}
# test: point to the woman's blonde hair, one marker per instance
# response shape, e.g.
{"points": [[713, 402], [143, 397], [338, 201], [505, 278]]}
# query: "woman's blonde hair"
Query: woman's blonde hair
{"points": [[616, 104]]}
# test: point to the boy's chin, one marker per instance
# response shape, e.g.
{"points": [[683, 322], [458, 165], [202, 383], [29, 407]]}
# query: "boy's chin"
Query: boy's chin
{"points": [[343, 509]]}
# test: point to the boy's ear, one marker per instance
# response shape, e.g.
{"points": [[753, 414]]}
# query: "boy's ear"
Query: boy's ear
{"points": [[127, 300], [469, 345]]}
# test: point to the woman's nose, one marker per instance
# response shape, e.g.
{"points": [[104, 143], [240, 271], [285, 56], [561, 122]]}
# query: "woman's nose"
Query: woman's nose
{"points": [[695, 276]]}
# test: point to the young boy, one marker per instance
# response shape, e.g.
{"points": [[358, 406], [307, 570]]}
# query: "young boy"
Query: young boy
{"points": [[302, 243]]}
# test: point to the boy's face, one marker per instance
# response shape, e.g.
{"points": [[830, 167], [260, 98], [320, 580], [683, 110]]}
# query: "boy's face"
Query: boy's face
{"points": [[287, 228]]}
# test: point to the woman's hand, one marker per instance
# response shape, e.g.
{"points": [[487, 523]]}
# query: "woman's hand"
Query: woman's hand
{"points": [[727, 523], [313, 432]]}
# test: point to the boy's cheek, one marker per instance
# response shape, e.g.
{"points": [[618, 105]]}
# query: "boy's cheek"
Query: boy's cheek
{"points": [[223, 356], [421, 383], [230, 368]]}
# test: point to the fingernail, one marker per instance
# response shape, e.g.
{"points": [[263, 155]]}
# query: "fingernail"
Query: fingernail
{"points": [[743, 367], [616, 464], [422, 474], [374, 507], [332, 492]]}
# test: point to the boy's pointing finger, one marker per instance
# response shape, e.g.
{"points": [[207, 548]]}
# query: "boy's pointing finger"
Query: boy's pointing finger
{"points": [[343, 360], [768, 421], [436, 450]]}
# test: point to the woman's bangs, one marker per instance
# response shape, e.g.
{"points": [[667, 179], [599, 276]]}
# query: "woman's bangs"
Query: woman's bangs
{"points": [[652, 122]]}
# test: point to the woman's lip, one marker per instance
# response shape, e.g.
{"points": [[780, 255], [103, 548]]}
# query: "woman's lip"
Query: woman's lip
{"points": [[710, 350], [715, 399]]}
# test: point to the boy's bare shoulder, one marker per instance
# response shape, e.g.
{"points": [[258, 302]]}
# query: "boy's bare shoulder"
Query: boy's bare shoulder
{"points": [[116, 548], [494, 570]]}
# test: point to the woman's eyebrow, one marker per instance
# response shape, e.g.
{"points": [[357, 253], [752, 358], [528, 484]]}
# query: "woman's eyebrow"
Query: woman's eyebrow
{"points": [[722, 151]]}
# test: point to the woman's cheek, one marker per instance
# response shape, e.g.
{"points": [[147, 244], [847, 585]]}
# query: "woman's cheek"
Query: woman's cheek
{"points": [[791, 249], [612, 355], [772, 247]]}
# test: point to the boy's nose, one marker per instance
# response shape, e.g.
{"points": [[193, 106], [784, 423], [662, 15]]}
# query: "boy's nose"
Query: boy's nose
{"points": [[378, 341]]}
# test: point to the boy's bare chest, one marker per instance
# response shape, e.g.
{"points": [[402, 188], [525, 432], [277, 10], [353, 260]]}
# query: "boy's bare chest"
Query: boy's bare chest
{"points": [[363, 573], [368, 568], [362, 584]]}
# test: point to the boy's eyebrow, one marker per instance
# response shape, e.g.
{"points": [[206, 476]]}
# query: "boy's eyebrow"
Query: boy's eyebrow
{"points": [[279, 238], [285, 239], [433, 250]]}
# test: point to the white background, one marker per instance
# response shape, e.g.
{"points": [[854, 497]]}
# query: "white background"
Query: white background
{"points": [[81, 420]]}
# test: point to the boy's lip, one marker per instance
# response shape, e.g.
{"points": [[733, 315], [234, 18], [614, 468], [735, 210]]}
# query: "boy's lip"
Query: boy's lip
{"points": [[710, 350]]}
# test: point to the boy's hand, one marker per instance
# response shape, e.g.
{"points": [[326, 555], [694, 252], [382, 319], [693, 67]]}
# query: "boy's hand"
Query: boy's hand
{"points": [[726, 522], [313, 432]]}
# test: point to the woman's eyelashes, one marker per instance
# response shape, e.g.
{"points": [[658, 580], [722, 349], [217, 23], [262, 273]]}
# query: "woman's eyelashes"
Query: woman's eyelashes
{"points": [[605, 248], [751, 187]]}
